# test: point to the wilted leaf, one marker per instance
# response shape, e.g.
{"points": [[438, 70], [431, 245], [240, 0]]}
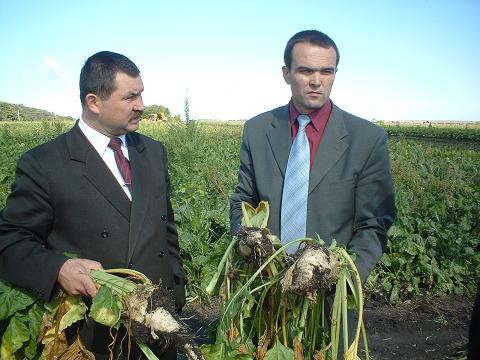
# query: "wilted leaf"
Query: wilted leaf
{"points": [[351, 353], [298, 349], [45, 325], [106, 307], [319, 355], [71, 310], [263, 344], [76, 310], [255, 217], [261, 351], [232, 333], [77, 351], [242, 349], [55, 347]]}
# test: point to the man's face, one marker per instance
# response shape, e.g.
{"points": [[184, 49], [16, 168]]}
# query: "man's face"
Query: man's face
{"points": [[121, 112], [310, 76]]}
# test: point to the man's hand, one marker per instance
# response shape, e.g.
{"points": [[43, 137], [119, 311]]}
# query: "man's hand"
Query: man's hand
{"points": [[74, 277]]}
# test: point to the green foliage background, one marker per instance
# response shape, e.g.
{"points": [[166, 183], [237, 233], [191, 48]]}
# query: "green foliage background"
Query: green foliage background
{"points": [[19, 112], [433, 248]]}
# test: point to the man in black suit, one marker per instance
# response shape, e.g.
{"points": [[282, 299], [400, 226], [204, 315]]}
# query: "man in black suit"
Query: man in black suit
{"points": [[69, 196]]}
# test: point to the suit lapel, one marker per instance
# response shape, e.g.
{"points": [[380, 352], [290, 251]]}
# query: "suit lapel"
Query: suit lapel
{"points": [[141, 183], [331, 148], [279, 138], [96, 171]]}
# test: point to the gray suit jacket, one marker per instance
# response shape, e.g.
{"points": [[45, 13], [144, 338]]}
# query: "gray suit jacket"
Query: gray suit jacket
{"points": [[351, 195], [65, 199]]}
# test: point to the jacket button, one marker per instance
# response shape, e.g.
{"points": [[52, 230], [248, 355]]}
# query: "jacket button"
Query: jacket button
{"points": [[161, 254], [164, 217], [104, 234], [130, 265]]}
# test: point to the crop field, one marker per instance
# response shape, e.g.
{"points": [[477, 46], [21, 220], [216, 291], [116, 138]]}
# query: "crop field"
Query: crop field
{"points": [[433, 248]]}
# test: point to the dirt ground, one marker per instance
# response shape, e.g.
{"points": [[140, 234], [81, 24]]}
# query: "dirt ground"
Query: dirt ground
{"points": [[429, 328]]}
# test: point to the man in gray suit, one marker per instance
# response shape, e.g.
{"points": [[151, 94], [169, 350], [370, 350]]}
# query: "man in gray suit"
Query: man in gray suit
{"points": [[350, 192], [71, 196]]}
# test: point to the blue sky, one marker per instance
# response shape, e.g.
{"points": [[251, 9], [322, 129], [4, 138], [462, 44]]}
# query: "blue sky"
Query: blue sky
{"points": [[399, 60]]}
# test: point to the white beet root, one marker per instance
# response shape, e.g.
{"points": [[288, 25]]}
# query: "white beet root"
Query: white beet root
{"points": [[315, 270], [154, 320]]}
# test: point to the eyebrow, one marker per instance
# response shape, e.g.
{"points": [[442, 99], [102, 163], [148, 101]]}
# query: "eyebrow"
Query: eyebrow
{"points": [[305, 67], [135, 92]]}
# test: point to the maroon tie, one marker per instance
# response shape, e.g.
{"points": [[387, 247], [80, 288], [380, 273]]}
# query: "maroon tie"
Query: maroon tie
{"points": [[122, 162]]}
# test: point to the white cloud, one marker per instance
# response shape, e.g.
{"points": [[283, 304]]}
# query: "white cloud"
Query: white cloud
{"points": [[51, 68]]}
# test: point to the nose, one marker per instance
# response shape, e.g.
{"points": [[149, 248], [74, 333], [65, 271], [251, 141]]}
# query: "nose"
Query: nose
{"points": [[316, 79], [139, 104]]}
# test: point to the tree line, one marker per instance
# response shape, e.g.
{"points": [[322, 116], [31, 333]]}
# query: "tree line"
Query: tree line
{"points": [[19, 112]]}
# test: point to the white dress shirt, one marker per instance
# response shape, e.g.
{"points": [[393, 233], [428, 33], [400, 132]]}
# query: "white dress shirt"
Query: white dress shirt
{"points": [[100, 143]]}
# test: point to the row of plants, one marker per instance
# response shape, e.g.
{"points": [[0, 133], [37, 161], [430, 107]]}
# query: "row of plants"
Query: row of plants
{"points": [[434, 132], [433, 247]]}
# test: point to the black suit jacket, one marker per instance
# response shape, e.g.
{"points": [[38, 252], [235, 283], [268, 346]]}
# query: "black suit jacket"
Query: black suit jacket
{"points": [[65, 199]]}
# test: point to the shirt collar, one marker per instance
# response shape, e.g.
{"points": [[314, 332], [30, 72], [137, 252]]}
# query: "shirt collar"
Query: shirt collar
{"points": [[317, 117], [98, 140]]}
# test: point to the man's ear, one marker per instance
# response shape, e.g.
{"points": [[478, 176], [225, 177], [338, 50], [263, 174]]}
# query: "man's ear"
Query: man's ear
{"points": [[286, 74], [92, 101]]}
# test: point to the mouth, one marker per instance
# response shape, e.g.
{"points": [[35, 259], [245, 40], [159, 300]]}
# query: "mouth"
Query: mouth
{"points": [[137, 117]]}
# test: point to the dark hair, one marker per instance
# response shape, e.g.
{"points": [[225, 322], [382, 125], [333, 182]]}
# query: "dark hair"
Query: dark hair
{"points": [[99, 72], [313, 37]]}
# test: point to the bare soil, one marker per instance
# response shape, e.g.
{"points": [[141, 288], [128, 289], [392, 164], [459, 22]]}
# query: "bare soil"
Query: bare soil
{"points": [[430, 328], [427, 328]]}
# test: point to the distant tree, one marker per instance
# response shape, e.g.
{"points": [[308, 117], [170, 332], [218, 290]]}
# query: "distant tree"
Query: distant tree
{"points": [[15, 112]]}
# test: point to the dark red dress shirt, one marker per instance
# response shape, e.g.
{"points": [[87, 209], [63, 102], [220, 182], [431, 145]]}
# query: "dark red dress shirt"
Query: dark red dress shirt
{"points": [[314, 129]]}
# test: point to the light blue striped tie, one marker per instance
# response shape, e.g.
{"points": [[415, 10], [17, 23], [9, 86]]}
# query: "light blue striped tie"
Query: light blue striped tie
{"points": [[295, 188]]}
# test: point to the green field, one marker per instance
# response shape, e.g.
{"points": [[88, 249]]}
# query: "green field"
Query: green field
{"points": [[433, 247]]}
